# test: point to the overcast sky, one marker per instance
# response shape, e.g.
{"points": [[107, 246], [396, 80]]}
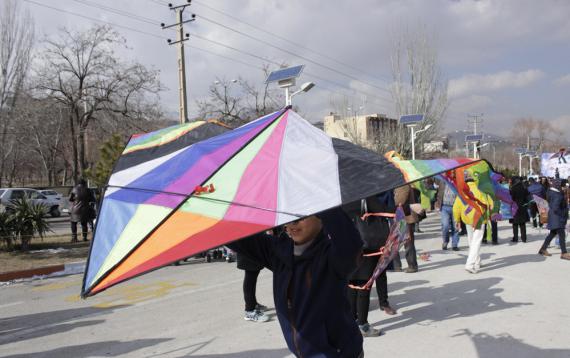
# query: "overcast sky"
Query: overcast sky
{"points": [[507, 59]]}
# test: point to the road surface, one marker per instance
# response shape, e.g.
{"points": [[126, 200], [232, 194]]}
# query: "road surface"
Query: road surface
{"points": [[517, 306]]}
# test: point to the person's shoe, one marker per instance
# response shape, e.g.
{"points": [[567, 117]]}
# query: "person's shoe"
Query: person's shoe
{"points": [[368, 331], [255, 316], [388, 310], [471, 270], [565, 256], [444, 247], [514, 240], [484, 242], [261, 308], [544, 253], [455, 248], [397, 269], [411, 270]]}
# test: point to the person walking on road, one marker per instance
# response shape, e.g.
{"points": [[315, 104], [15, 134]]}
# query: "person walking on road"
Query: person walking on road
{"points": [[557, 219], [404, 196], [81, 211], [535, 188], [445, 200], [254, 311], [520, 196], [475, 229], [374, 231], [311, 265]]}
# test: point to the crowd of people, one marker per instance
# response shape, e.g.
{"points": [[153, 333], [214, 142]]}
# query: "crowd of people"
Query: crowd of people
{"points": [[321, 263]]}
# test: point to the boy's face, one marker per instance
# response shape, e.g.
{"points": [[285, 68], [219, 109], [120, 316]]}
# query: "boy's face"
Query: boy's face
{"points": [[304, 230]]}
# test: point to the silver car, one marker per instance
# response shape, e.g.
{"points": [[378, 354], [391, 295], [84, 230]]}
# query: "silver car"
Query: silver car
{"points": [[8, 195]]}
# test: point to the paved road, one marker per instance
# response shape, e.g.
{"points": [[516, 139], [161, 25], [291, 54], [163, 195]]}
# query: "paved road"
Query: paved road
{"points": [[61, 225], [517, 306]]}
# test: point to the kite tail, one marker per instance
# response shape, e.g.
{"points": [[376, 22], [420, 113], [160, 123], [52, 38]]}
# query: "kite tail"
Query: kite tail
{"points": [[398, 235]]}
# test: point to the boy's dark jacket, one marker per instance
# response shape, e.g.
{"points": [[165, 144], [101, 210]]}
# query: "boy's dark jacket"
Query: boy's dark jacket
{"points": [[310, 291]]}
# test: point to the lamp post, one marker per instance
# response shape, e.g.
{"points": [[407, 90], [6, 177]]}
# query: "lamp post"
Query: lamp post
{"points": [[521, 155], [414, 134], [530, 154], [305, 87], [478, 147], [411, 121]]}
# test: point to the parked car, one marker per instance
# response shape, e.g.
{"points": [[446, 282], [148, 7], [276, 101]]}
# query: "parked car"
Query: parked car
{"points": [[52, 194], [8, 195]]}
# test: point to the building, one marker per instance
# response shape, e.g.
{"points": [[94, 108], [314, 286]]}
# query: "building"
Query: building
{"points": [[362, 130]]}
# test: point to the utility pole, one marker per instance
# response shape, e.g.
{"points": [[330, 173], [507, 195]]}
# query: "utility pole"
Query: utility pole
{"points": [[180, 38]]}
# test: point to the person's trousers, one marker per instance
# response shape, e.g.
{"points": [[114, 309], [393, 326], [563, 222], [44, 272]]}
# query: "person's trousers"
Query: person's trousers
{"points": [[448, 225], [382, 289], [411, 255], [561, 236], [74, 230], [249, 286], [494, 233], [516, 232], [474, 238], [359, 302]]}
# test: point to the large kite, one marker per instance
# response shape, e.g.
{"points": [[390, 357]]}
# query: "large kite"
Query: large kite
{"points": [[186, 189]]}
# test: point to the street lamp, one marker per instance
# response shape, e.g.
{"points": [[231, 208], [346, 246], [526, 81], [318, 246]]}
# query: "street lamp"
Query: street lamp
{"points": [[414, 135], [521, 155], [305, 87], [478, 147]]}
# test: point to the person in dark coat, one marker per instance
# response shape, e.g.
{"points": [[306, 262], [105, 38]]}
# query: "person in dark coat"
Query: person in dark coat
{"points": [[535, 188], [557, 219], [311, 264], [81, 211], [254, 311], [404, 196], [374, 231], [520, 196]]}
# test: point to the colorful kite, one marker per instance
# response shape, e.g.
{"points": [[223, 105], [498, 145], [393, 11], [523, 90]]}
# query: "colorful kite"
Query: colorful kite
{"points": [[170, 198]]}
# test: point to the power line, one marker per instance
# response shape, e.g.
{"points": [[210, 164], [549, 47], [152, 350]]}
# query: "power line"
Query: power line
{"points": [[287, 51], [381, 78], [294, 54], [95, 19], [217, 43], [141, 18]]}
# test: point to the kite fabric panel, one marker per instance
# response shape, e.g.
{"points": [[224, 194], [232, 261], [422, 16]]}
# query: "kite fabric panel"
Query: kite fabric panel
{"points": [[171, 197]]}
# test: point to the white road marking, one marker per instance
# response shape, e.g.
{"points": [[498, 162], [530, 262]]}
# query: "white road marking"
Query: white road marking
{"points": [[11, 304]]}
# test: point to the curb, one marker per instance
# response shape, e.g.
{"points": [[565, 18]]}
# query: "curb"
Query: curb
{"points": [[47, 271]]}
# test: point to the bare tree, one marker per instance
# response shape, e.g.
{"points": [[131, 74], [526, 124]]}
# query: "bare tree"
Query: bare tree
{"points": [[46, 127], [418, 86], [238, 101], [81, 71], [16, 41]]}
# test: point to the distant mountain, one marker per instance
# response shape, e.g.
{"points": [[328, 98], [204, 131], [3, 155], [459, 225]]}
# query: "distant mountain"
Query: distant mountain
{"points": [[457, 138]]}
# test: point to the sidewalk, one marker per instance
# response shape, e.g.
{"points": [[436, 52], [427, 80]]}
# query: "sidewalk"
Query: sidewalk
{"points": [[42, 272]]}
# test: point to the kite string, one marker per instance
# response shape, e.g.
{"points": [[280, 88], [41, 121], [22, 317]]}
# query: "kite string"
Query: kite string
{"points": [[208, 199]]}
